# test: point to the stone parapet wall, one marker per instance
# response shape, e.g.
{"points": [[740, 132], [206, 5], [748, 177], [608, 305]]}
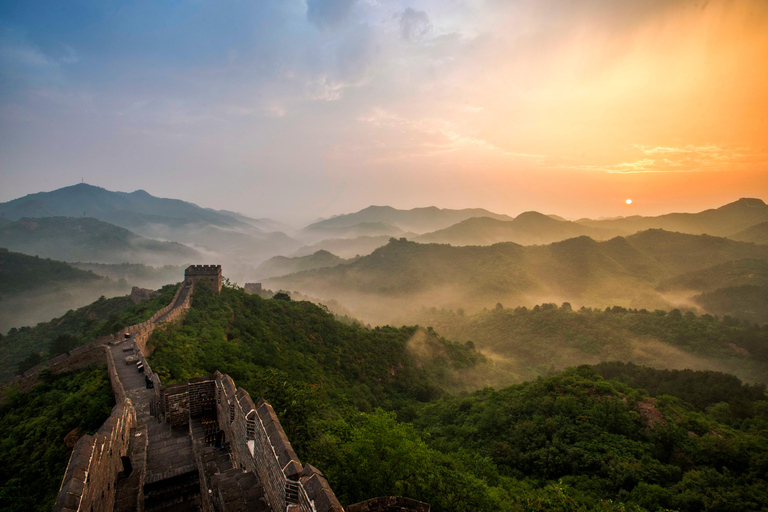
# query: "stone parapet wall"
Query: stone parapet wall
{"points": [[95, 461], [75, 359], [170, 313], [259, 444]]}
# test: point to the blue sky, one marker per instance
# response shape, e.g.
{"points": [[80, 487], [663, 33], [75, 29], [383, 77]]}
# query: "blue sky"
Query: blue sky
{"points": [[297, 109]]}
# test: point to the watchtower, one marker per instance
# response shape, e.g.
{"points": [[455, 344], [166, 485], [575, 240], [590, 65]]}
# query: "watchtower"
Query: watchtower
{"points": [[212, 273]]}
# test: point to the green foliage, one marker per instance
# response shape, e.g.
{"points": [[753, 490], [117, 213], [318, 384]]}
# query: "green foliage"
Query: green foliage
{"points": [[370, 408], [536, 341], [33, 456], [75, 328], [21, 273], [307, 364]]}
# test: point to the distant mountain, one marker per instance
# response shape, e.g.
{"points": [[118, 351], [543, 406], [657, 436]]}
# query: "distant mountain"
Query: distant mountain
{"points": [[33, 289], [723, 221], [345, 247], [135, 274], [318, 232], [757, 234], [153, 217], [417, 220], [529, 228], [281, 265], [87, 239], [621, 271]]}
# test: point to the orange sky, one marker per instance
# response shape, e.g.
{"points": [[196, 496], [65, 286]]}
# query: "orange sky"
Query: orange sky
{"points": [[561, 106]]}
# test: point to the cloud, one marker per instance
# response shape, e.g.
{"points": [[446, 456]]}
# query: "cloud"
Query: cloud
{"points": [[328, 13], [414, 25]]}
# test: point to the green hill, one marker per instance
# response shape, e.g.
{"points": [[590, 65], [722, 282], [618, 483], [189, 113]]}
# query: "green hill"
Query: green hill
{"points": [[34, 289], [730, 273], [25, 347], [87, 239], [757, 234], [372, 408], [39, 429], [525, 343], [403, 276], [281, 265], [345, 247]]}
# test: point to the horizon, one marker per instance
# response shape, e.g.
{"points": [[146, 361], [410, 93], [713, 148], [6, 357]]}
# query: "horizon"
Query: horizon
{"points": [[298, 110], [308, 222]]}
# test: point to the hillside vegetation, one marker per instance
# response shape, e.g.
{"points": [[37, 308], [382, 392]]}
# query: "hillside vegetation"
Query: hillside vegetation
{"points": [[39, 430], [26, 347], [34, 289], [524, 343], [380, 412]]}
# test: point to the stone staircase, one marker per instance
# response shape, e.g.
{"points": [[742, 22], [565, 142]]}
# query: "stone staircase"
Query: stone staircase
{"points": [[230, 488]]}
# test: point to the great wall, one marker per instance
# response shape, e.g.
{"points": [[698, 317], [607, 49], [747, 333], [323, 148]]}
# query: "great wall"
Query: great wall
{"points": [[203, 445]]}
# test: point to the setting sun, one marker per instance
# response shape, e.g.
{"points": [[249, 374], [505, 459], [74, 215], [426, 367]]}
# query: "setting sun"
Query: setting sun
{"points": [[628, 201]]}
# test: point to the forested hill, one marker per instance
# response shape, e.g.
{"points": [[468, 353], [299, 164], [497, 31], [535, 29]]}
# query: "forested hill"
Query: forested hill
{"points": [[580, 270], [374, 410], [35, 289], [87, 239], [527, 342]]}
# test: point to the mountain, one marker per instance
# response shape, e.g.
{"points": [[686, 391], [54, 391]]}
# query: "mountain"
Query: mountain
{"points": [[281, 265], [406, 275], [135, 274], [747, 302], [757, 234], [723, 221], [87, 239], [418, 220], [33, 289], [728, 274], [153, 217], [345, 247], [529, 228], [318, 232]]}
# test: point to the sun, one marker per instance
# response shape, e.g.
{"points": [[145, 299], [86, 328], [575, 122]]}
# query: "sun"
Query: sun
{"points": [[628, 201]]}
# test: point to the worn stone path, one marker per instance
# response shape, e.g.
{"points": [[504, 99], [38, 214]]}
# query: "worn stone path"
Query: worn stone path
{"points": [[171, 479]]}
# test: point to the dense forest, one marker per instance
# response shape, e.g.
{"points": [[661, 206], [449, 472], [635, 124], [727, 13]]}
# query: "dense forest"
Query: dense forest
{"points": [[386, 411], [526, 342], [39, 430]]}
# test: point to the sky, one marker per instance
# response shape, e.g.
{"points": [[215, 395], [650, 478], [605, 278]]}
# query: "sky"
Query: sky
{"points": [[299, 109]]}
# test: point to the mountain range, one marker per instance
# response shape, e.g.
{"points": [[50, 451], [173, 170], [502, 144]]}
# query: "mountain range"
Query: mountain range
{"points": [[87, 239], [167, 219], [623, 270]]}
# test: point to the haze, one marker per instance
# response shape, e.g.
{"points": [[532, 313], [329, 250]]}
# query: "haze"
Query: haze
{"points": [[295, 110]]}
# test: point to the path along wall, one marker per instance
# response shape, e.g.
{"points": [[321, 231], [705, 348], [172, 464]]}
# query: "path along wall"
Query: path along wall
{"points": [[88, 483]]}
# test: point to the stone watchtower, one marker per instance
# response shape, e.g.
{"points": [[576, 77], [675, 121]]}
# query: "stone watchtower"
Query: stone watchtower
{"points": [[212, 273]]}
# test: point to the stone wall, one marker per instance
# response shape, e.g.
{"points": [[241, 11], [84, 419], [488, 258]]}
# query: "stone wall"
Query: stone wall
{"points": [[75, 359], [95, 461], [88, 483], [259, 444], [210, 273], [170, 313]]}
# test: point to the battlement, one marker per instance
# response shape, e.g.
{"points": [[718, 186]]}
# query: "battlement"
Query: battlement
{"points": [[211, 273]]}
